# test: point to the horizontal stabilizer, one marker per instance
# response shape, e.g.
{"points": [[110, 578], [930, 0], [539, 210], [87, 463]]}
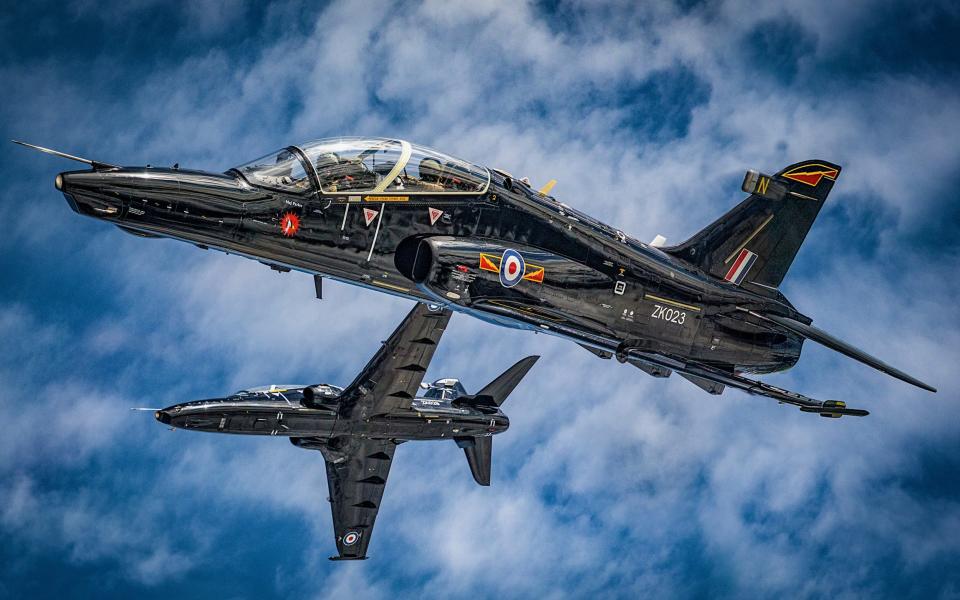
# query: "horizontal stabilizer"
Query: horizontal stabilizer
{"points": [[825, 339], [497, 390]]}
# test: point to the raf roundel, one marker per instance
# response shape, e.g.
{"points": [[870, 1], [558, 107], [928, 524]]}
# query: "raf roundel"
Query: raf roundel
{"points": [[512, 268], [350, 538]]}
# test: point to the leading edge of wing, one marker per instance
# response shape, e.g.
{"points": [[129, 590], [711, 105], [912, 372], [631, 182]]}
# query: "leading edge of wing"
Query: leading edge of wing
{"points": [[392, 377]]}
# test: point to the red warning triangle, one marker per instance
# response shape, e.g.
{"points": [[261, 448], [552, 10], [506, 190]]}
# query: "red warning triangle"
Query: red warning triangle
{"points": [[435, 213], [369, 215]]}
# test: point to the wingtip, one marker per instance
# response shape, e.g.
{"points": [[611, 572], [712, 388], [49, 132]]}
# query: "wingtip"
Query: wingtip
{"points": [[915, 382]]}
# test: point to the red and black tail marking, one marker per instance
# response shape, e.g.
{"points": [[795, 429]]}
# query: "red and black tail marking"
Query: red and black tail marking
{"points": [[811, 173], [758, 239]]}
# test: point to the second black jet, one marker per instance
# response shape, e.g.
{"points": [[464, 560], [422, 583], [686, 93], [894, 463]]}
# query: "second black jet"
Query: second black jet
{"points": [[357, 428]]}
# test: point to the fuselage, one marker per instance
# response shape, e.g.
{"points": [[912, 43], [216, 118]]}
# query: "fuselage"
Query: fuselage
{"points": [[582, 279], [282, 412]]}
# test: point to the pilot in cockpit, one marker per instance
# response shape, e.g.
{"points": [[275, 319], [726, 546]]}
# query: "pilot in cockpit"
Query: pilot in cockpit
{"points": [[431, 173], [342, 175]]}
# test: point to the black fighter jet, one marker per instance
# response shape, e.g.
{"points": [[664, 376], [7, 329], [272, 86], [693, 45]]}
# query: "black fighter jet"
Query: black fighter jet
{"points": [[408, 220], [358, 428]]}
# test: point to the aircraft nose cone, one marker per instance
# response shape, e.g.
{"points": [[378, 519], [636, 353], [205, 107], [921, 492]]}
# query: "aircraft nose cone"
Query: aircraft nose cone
{"points": [[163, 416], [72, 179], [85, 195]]}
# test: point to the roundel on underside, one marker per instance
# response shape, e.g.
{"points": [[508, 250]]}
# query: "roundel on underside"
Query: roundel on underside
{"points": [[512, 268], [350, 538]]}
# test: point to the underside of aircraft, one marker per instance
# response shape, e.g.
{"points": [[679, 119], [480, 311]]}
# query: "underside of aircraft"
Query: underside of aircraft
{"points": [[411, 221], [358, 428]]}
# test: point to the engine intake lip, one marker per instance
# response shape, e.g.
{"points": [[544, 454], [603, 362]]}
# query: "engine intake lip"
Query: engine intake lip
{"points": [[414, 258], [422, 262]]}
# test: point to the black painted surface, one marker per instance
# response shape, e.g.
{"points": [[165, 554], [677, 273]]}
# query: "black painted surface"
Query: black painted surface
{"points": [[671, 307]]}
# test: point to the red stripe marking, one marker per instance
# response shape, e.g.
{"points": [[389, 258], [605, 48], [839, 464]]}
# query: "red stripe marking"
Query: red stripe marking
{"points": [[736, 265]]}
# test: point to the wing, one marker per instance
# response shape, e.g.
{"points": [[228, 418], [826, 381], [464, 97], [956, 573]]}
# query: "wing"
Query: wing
{"points": [[356, 485], [822, 337], [707, 373], [392, 377]]}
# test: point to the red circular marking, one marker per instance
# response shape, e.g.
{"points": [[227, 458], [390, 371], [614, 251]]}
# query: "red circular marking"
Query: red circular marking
{"points": [[512, 268]]}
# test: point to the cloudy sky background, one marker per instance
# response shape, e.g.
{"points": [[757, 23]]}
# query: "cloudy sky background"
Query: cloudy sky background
{"points": [[608, 481]]}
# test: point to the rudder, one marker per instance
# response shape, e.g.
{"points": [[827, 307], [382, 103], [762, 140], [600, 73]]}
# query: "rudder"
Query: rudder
{"points": [[758, 239]]}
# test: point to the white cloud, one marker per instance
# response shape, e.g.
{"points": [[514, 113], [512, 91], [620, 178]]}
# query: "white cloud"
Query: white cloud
{"points": [[607, 479]]}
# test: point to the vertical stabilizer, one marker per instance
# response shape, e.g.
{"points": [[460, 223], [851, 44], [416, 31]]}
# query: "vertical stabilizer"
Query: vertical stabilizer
{"points": [[758, 239], [479, 452]]}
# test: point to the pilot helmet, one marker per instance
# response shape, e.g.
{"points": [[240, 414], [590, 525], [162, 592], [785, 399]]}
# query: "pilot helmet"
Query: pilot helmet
{"points": [[325, 160]]}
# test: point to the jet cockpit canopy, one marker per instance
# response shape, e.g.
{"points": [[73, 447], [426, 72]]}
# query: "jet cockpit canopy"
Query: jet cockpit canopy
{"points": [[290, 391], [366, 165], [445, 389]]}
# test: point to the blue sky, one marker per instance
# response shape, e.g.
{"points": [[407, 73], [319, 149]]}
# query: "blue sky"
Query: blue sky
{"points": [[608, 481]]}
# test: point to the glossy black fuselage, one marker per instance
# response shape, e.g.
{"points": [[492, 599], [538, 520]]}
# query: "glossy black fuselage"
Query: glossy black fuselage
{"points": [[283, 414], [598, 287]]}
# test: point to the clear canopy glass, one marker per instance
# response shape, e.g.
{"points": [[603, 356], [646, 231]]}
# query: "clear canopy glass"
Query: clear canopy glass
{"points": [[370, 166], [281, 170], [375, 165], [445, 389]]}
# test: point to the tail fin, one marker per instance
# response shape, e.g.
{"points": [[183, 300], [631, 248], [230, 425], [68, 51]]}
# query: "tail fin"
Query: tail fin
{"points": [[758, 240], [479, 448], [479, 452], [497, 390]]}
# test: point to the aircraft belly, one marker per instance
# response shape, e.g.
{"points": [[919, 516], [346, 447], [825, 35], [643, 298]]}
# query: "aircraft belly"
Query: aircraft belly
{"points": [[744, 346], [256, 421], [414, 425], [654, 317]]}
